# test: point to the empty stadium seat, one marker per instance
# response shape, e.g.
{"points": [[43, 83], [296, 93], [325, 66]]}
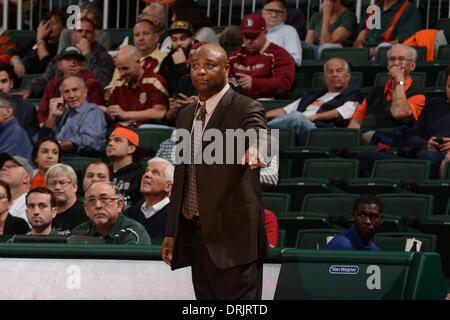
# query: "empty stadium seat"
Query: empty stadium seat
{"points": [[336, 204], [28, 78], [397, 241], [292, 224], [286, 138], [151, 138], [281, 241], [78, 163], [443, 53], [349, 54], [118, 35], [23, 37], [284, 168], [315, 239], [278, 203], [333, 137]]}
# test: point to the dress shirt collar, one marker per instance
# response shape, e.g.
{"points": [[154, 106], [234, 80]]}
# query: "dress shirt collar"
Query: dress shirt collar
{"points": [[149, 212], [213, 101]]}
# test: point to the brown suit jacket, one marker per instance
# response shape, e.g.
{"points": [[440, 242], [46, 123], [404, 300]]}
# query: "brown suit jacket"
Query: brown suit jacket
{"points": [[229, 195]]}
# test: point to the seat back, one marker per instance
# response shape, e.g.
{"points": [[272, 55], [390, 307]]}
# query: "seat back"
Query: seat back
{"points": [[331, 168], [23, 37], [118, 35], [349, 54], [286, 138], [329, 203], [415, 205], [278, 203], [333, 137], [151, 138], [404, 241], [402, 169], [315, 239], [443, 53]]}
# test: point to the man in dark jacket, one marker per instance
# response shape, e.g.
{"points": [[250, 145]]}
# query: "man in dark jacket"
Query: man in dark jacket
{"points": [[318, 109]]}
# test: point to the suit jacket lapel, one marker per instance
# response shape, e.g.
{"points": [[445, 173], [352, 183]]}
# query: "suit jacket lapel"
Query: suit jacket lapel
{"points": [[221, 110]]}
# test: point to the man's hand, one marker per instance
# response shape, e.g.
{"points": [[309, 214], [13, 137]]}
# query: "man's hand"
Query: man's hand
{"points": [[115, 111], [445, 147], [24, 93], [396, 73], [84, 46], [167, 250], [245, 81], [254, 159], [178, 56], [19, 68], [56, 107], [43, 29], [432, 145]]}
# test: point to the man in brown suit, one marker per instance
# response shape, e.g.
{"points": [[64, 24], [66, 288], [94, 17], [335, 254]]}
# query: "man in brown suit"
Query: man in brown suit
{"points": [[216, 219]]}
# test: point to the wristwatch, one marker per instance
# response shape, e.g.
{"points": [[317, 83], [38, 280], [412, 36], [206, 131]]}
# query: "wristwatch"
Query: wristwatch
{"points": [[402, 83]]}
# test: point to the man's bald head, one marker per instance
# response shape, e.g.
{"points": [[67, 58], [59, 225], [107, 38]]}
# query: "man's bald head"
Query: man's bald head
{"points": [[127, 61], [128, 52], [209, 70]]}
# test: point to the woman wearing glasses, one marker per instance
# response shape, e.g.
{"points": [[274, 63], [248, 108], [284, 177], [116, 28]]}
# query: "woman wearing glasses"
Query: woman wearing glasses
{"points": [[9, 225]]}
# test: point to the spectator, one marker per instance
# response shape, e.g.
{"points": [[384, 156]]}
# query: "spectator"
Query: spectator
{"points": [[271, 228], [61, 180], [142, 96], [97, 60], [95, 171], [25, 112], [13, 138], [333, 27], [191, 12], [103, 206], [71, 62], [283, 35], [429, 138], [156, 185], [17, 172], [146, 41], [324, 108], [127, 173], [399, 101], [367, 216], [175, 65], [399, 20], [8, 46], [89, 11], [34, 57], [78, 124], [41, 210], [9, 224], [46, 152], [263, 69], [156, 13]]}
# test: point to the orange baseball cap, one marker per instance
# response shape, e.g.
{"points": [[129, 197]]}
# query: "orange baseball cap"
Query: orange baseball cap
{"points": [[127, 134]]}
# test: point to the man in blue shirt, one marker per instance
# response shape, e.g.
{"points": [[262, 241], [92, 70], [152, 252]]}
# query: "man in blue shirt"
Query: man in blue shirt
{"points": [[78, 125], [367, 216]]}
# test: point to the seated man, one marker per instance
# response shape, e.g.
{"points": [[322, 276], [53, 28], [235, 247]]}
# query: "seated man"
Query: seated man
{"points": [[25, 112], [284, 35], [429, 138], [97, 60], [142, 97], [96, 170], [61, 180], [324, 108], [121, 150], [13, 138], [156, 185], [263, 69], [367, 216], [146, 41], [399, 20], [398, 102], [80, 126], [103, 206], [41, 210], [71, 62]]}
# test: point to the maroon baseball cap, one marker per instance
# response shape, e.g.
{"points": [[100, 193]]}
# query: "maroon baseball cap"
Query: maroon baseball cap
{"points": [[253, 23]]}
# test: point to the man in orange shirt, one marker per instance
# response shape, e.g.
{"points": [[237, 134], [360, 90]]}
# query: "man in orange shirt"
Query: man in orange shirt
{"points": [[398, 102]]}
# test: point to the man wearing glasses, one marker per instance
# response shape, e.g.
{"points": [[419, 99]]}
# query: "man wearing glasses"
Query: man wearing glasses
{"points": [[367, 216], [103, 206], [398, 102], [275, 13], [61, 180]]}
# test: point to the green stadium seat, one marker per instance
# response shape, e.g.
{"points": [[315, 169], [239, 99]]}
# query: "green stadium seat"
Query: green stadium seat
{"points": [[298, 155], [78, 163], [28, 78], [307, 54], [281, 241], [315, 239], [331, 168], [337, 204], [285, 168], [443, 53], [439, 188], [286, 138], [118, 35], [274, 104], [151, 138], [23, 37], [278, 203], [333, 137], [443, 24], [292, 224], [397, 241], [349, 54]]}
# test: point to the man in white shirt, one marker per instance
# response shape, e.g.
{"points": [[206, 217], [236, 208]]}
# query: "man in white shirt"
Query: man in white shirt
{"points": [[156, 185], [17, 173], [322, 108], [275, 13]]}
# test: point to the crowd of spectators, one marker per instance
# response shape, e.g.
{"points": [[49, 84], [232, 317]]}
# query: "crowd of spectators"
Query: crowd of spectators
{"points": [[91, 101]]}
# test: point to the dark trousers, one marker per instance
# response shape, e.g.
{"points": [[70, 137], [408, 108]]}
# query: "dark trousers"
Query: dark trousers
{"points": [[212, 283]]}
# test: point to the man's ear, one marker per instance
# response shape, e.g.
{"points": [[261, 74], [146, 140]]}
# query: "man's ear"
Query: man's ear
{"points": [[131, 149]]}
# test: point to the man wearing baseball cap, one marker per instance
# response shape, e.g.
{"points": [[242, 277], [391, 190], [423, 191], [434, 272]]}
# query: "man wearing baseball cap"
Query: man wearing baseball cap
{"points": [[121, 149], [175, 65], [17, 172], [71, 61], [263, 69]]}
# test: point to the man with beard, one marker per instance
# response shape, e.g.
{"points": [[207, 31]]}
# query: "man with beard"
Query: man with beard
{"points": [[41, 210], [61, 180], [175, 65], [103, 206], [367, 216], [142, 96]]}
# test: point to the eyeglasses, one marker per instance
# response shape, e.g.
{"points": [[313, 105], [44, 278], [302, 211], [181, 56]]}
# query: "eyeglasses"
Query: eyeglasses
{"points": [[277, 12], [400, 59], [103, 200], [63, 184]]}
